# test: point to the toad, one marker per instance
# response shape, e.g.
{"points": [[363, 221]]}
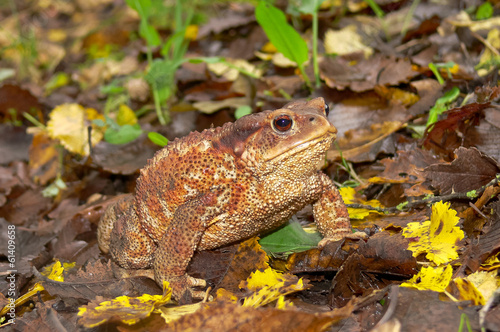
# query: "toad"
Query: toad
{"points": [[223, 185]]}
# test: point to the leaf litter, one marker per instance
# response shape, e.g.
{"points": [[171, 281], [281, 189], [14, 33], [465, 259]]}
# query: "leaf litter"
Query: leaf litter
{"points": [[427, 196]]}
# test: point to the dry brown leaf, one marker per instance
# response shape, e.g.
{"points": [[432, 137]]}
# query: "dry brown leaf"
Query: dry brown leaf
{"points": [[363, 145], [44, 158], [470, 170], [226, 316]]}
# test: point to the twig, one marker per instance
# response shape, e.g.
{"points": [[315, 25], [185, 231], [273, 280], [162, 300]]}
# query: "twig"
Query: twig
{"points": [[432, 199]]}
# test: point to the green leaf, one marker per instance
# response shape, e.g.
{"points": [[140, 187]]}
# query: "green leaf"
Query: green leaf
{"points": [[157, 138], [281, 34], [125, 134], [149, 33], [289, 239], [242, 111], [484, 11]]}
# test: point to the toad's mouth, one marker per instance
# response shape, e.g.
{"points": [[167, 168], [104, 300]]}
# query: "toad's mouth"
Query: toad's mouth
{"points": [[304, 145]]}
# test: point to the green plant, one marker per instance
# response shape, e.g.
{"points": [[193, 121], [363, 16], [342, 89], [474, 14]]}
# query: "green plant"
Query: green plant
{"points": [[485, 11], [311, 7], [441, 105], [283, 36], [434, 67], [161, 72]]}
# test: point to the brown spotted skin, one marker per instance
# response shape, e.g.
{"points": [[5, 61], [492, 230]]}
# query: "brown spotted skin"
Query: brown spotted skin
{"points": [[224, 185]]}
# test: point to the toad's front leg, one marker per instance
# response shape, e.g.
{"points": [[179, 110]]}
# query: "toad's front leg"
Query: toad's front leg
{"points": [[177, 246], [330, 212]]}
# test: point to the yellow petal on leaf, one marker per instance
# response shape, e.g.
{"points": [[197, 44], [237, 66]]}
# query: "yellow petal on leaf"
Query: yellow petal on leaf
{"points": [[437, 237], [468, 291], [348, 195], [268, 285], [129, 310], [69, 124], [429, 278]]}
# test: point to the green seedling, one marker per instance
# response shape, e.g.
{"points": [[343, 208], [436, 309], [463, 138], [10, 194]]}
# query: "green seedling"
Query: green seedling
{"points": [[161, 72], [464, 320], [311, 7], [283, 36], [116, 134], [434, 67], [441, 105]]}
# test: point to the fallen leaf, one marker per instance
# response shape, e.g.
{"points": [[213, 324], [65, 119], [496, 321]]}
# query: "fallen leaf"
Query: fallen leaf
{"points": [[128, 310], [345, 41], [209, 107], [438, 237], [348, 195], [269, 285], [69, 124], [470, 170], [430, 278], [364, 144], [467, 291]]}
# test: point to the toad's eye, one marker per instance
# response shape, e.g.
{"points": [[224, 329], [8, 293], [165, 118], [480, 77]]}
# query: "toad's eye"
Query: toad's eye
{"points": [[282, 123], [327, 109]]}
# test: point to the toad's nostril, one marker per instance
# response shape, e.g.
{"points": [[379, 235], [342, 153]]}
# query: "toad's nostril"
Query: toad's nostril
{"points": [[311, 119]]}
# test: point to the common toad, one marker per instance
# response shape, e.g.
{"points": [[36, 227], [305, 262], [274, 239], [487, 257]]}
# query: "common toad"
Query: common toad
{"points": [[222, 185]]}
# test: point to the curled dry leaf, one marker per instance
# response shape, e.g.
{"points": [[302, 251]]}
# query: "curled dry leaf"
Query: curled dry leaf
{"points": [[364, 145]]}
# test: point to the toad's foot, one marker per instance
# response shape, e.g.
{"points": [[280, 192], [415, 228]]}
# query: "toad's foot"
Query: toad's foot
{"points": [[182, 288]]}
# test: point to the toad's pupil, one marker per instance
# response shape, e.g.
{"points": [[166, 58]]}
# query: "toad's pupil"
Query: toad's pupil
{"points": [[283, 124]]}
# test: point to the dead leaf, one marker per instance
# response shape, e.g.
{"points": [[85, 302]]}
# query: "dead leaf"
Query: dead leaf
{"points": [[448, 134], [364, 144], [44, 158], [340, 74], [14, 144], [226, 316], [470, 170], [345, 41], [438, 237]]}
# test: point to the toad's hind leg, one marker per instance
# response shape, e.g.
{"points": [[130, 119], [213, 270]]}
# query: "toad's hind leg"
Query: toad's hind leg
{"points": [[130, 245], [181, 239]]}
